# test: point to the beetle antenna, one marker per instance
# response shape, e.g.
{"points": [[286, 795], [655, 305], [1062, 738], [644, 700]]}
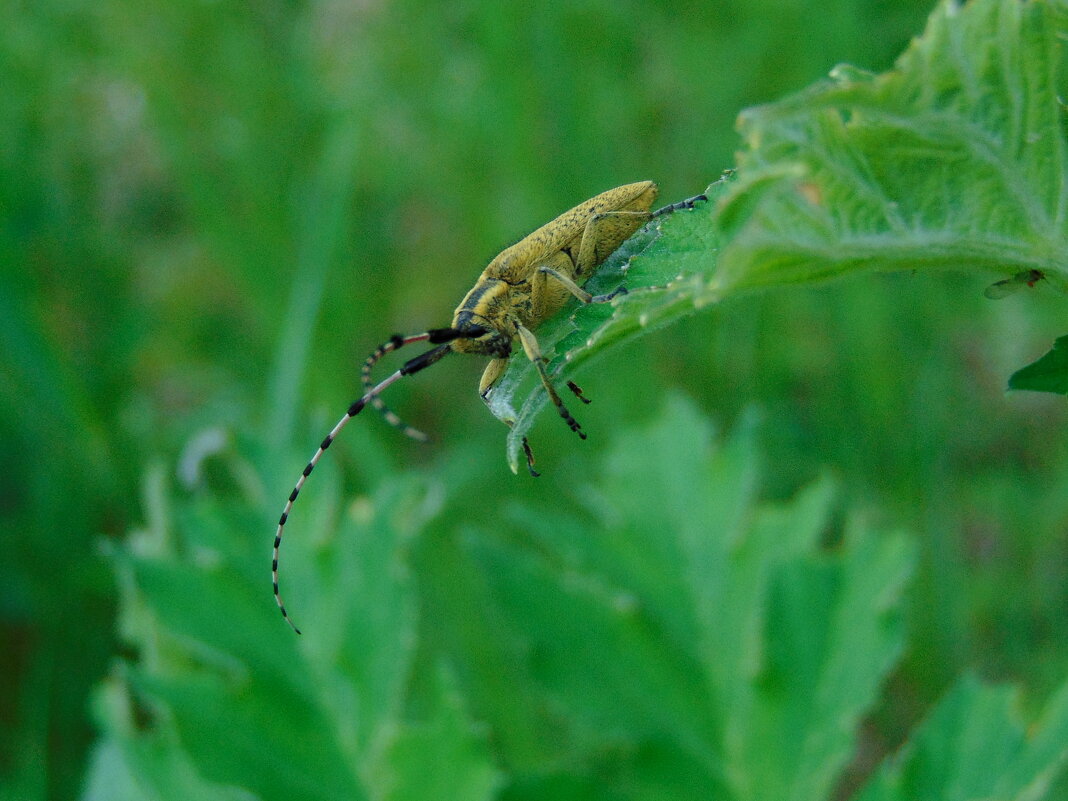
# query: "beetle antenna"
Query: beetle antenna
{"points": [[391, 417], [438, 336]]}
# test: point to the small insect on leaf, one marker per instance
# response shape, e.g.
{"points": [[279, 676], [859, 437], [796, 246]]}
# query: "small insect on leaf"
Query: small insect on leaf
{"points": [[520, 289], [1010, 286]]}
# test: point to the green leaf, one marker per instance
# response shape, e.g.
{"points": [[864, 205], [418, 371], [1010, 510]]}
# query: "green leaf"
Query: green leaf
{"points": [[252, 704], [690, 620], [955, 158], [240, 731], [974, 747], [832, 631], [131, 765], [150, 771], [672, 637], [1047, 374], [443, 757]]}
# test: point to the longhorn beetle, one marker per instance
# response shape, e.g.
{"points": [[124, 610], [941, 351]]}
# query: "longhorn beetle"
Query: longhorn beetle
{"points": [[522, 287]]}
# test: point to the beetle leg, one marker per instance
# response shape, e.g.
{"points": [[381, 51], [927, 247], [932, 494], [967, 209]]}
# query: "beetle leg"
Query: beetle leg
{"points": [[578, 391], [603, 235], [490, 376], [575, 289], [605, 232], [688, 203], [533, 351]]}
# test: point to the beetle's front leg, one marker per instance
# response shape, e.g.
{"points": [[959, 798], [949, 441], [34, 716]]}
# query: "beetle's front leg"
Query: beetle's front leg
{"points": [[490, 376]]}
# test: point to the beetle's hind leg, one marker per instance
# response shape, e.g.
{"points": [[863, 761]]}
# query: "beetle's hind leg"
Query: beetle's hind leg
{"points": [[607, 231], [689, 203], [603, 235]]}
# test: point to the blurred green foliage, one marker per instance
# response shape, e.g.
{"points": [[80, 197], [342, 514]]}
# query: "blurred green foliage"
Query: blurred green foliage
{"points": [[701, 646], [212, 211]]}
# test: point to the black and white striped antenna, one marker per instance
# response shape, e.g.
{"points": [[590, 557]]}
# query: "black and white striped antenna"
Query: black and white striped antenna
{"points": [[436, 336]]}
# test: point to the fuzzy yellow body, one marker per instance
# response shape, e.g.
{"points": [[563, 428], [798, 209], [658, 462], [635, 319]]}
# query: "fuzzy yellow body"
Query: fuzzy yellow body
{"points": [[527, 284], [532, 280]]}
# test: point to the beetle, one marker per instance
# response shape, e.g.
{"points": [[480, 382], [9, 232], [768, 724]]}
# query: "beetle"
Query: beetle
{"points": [[522, 287]]}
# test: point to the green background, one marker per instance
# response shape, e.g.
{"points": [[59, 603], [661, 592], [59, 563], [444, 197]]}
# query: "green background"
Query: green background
{"points": [[211, 212]]}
